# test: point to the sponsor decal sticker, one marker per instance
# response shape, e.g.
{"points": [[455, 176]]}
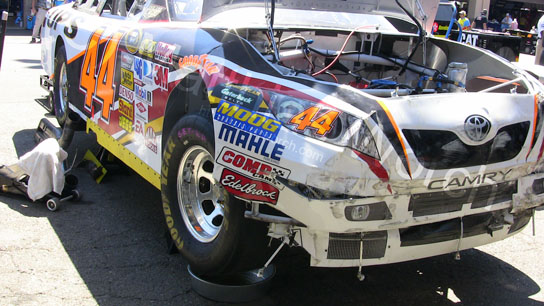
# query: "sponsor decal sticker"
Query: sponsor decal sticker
{"points": [[247, 120], [160, 77], [470, 39], [150, 139], [126, 60], [125, 123], [139, 126], [126, 109], [126, 94], [143, 70], [164, 52], [147, 47], [199, 62], [245, 188], [143, 94], [127, 79], [132, 40], [251, 166], [246, 96], [320, 122], [140, 111], [252, 143]]}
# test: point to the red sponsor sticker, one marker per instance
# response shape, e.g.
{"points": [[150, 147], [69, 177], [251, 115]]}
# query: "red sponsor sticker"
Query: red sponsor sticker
{"points": [[247, 188]]}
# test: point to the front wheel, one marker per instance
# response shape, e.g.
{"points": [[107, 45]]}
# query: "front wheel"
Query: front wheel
{"points": [[61, 86], [206, 223]]}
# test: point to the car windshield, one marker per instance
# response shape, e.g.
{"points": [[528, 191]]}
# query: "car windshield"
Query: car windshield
{"points": [[158, 10], [148, 11], [185, 10]]}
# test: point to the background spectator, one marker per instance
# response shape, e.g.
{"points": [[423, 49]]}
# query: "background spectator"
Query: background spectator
{"points": [[480, 22], [539, 46], [463, 21], [506, 22]]}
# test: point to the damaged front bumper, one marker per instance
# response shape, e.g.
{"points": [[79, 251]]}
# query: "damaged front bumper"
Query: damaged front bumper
{"points": [[398, 228]]}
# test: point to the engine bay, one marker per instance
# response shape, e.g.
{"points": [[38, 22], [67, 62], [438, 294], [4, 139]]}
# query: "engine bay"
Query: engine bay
{"points": [[386, 65]]}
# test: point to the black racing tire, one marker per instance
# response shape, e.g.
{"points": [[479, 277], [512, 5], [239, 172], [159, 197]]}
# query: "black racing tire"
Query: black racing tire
{"points": [[210, 245], [61, 86]]}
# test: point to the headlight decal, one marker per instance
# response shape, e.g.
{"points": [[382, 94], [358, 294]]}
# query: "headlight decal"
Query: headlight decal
{"points": [[323, 122]]}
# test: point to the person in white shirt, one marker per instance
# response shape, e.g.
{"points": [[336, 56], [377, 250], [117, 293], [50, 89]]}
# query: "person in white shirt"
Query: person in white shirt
{"points": [[540, 30]]}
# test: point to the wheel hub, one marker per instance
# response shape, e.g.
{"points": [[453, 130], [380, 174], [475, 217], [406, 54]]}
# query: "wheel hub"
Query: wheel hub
{"points": [[198, 196]]}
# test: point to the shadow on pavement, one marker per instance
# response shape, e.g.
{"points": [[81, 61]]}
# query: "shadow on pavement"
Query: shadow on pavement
{"points": [[115, 240]]}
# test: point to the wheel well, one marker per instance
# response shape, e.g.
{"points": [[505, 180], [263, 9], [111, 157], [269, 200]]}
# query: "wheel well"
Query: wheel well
{"points": [[58, 44], [190, 96]]}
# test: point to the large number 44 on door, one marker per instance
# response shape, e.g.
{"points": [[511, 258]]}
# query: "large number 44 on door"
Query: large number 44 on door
{"points": [[97, 84]]}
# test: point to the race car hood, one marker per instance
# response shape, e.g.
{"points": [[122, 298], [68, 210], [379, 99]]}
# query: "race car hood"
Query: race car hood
{"points": [[423, 11]]}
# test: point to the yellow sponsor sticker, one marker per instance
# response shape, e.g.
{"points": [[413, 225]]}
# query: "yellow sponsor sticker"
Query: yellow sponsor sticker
{"points": [[127, 78]]}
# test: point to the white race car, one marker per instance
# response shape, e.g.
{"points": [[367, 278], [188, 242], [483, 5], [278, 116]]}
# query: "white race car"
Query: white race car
{"points": [[337, 126]]}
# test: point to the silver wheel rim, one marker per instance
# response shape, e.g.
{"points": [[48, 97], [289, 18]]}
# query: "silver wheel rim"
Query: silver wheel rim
{"points": [[197, 197], [63, 88]]}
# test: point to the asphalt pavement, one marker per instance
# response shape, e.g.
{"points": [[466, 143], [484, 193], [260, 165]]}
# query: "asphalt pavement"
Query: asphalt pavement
{"points": [[109, 248]]}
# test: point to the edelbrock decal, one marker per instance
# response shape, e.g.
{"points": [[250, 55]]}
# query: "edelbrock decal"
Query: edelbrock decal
{"points": [[245, 188]]}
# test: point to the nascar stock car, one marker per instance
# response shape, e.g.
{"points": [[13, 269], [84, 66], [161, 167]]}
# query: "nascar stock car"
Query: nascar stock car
{"points": [[337, 126]]}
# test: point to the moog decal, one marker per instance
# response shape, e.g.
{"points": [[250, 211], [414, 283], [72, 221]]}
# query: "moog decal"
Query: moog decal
{"points": [[249, 121]]}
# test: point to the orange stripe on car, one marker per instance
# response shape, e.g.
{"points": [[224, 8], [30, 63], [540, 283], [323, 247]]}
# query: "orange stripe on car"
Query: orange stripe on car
{"points": [[80, 54], [494, 79], [535, 116], [388, 113]]}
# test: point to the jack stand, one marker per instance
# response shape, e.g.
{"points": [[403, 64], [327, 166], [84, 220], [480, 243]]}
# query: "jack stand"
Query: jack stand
{"points": [[260, 273], [457, 254], [360, 275]]}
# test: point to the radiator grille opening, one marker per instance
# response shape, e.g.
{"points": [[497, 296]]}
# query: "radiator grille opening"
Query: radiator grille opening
{"points": [[347, 246]]}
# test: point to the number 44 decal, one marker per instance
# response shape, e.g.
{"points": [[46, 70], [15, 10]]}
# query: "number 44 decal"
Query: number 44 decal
{"points": [[97, 76], [307, 119]]}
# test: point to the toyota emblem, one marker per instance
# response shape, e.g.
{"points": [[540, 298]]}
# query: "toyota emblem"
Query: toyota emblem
{"points": [[477, 127]]}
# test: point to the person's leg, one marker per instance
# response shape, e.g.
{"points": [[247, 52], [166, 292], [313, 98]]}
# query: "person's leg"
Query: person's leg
{"points": [[538, 53], [40, 17]]}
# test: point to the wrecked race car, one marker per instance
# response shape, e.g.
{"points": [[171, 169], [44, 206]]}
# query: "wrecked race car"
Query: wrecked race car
{"points": [[337, 126]]}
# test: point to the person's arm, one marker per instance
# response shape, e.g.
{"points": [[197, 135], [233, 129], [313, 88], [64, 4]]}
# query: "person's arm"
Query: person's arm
{"points": [[473, 23], [485, 25], [33, 10]]}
